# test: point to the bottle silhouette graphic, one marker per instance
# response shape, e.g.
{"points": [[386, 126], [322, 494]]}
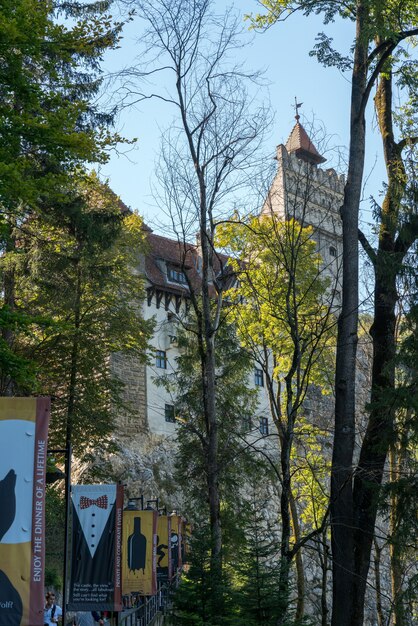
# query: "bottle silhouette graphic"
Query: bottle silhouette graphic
{"points": [[137, 548]]}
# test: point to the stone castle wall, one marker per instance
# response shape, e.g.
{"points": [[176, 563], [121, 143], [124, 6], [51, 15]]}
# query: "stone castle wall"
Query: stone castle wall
{"points": [[132, 373]]}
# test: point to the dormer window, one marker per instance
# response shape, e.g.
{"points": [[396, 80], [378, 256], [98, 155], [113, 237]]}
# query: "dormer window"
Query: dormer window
{"points": [[176, 275]]}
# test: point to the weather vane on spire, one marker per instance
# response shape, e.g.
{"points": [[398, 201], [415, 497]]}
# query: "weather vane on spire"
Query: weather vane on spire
{"points": [[297, 106]]}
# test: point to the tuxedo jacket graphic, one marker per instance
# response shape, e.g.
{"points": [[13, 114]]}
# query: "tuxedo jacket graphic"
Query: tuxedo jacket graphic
{"points": [[97, 568], [93, 553]]}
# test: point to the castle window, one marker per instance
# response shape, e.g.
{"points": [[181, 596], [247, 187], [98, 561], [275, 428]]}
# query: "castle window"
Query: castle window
{"points": [[176, 275], [333, 251], [258, 377], [169, 413], [264, 426], [247, 423], [161, 359]]}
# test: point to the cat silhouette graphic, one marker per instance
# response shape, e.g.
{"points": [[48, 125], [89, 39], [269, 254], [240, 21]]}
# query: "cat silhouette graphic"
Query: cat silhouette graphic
{"points": [[161, 551], [10, 603], [7, 502]]}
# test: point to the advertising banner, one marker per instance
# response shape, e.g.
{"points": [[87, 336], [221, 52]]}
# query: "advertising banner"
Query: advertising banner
{"points": [[139, 554], [176, 542], [163, 542], [23, 453], [95, 580]]}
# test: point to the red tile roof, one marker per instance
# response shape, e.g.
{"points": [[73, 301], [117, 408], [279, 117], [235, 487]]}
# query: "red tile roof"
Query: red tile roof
{"points": [[184, 256], [300, 143]]}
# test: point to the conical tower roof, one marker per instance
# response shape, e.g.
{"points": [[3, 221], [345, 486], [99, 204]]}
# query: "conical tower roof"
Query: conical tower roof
{"points": [[300, 143]]}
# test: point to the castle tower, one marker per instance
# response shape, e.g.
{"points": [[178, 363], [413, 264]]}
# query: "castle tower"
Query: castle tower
{"points": [[305, 191]]}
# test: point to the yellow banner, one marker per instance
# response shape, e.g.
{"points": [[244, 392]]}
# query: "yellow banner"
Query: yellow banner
{"points": [[139, 554], [23, 453]]}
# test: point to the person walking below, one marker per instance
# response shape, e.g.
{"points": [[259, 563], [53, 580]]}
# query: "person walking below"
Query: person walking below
{"points": [[52, 612]]}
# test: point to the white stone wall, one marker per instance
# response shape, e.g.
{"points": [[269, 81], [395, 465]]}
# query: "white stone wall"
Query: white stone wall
{"points": [[163, 339], [157, 396], [313, 196]]}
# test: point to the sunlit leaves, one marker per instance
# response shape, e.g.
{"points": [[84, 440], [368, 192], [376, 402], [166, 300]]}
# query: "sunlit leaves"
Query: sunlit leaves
{"points": [[279, 298]]}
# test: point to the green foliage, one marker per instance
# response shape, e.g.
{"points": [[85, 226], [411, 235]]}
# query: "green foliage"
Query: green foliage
{"points": [[198, 600], [248, 593], [12, 364], [257, 566], [49, 128], [48, 76], [280, 303], [234, 402], [80, 276], [201, 599], [401, 491], [384, 18], [311, 465], [54, 536], [281, 307]]}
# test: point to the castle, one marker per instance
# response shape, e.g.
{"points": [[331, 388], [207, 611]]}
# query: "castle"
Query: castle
{"points": [[301, 189]]}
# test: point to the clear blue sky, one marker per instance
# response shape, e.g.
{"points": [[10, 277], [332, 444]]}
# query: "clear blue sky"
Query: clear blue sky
{"points": [[283, 51]]}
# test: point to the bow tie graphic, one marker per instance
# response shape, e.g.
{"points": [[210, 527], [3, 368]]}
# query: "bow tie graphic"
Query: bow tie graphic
{"points": [[101, 502]]}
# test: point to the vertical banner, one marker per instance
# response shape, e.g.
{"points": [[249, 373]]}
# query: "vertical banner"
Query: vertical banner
{"points": [[23, 452], [163, 546], [139, 553], [95, 580], [176, 541]]}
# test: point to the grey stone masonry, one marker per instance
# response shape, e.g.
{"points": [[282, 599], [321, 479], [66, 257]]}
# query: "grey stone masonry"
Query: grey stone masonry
{"points": [[132, 373]]}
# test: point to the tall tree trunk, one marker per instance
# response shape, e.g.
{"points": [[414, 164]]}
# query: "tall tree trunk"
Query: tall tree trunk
{"points": [[378, 584], [300, 571], [209, 401], [379, 432], [341, 505], [324, 586], [396, 569], [74, 359], [286, 440], [286, 446]]}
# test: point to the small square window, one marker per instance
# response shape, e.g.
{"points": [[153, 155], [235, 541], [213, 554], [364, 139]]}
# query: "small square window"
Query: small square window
{"points": [[161, 359], [258, 377], [332, 251], [169, 413], [264, 426]]}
